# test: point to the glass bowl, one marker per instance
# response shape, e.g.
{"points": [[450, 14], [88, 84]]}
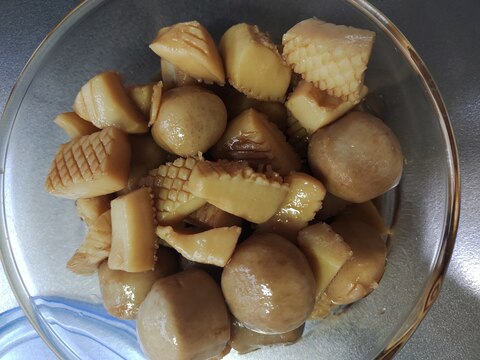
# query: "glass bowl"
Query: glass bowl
{"points": [[39, 232]]}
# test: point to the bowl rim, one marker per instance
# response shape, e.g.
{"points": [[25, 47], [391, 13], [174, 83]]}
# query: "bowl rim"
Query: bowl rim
{"points": [[444, 253]]}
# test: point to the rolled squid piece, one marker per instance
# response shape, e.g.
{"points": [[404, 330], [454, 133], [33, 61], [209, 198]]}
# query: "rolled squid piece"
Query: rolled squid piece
{"points": [[91, 165], [332, 57]]}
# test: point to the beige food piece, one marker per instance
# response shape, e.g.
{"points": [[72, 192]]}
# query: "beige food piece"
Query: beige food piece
{"points": [[253, 64], [367, 213], [184, 317], [332, 57], [171, 195], [314, 108], [95, 247], [155, 101], [323, 308], [362, 272], [173, 77], [133, 232], [190, 48], [74, 125], [89, 209], [326, 252], [245, 340], [251, 137], [237, 189], [213, 246], [104, 101], [90, 165], [237, 103], [190, 120], [304, 199], [146, 155], [268, 284], [123, 292], [332, 206], [358, 157], [142, 97], [209, 217], [297, 136]]}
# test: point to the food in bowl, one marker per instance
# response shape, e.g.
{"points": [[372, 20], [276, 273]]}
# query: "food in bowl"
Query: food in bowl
{"points": [[187, 177]]}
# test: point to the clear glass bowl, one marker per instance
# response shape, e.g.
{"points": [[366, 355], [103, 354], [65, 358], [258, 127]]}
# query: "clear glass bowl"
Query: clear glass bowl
{"points": [[39, 232]]}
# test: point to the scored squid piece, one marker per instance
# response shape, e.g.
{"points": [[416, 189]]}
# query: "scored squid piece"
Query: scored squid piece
{"points": [[184, 316], [209, 217], [304, 199], [133, 232], [253, 64], [251, 137], [214, 247], [190, 47], [74, 125], [314, 108], [142, 97], [173, 77], [95, 247], [237, 189], [326, 252], [89, 209], [90, 165], [332, 57], [171, 195], [245, 340], [105, 102]]}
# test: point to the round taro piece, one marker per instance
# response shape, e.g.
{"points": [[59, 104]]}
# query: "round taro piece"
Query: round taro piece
{"points": [[190, 120], [357, 157], [268, 284], [184, 316]]}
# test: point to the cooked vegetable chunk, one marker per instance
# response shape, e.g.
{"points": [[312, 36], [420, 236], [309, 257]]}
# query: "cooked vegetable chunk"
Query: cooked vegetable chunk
{"points": [[190, 120], [251, 137], [105, 102], [142, 97], [245, 340], [326, 252], [74, 125], [213, 246], [183, 317], [123, 292], [89, 209], [357, 158], [95, 247], [252, 62], [133, 232], [268, 284], [362, 272], [314, 108]]}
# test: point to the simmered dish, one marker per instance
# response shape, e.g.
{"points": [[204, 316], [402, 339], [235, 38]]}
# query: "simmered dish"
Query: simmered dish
{"points": [[231, 201]]}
